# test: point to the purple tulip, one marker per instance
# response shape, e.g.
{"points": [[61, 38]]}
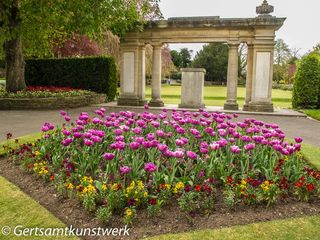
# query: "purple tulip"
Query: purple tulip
{"points": [[125, 170], [191, 155], [214, 146], [67, 141], [178, 154], [162, 147], [298, 139], [204, 150], [77, 135], [45, 128], [134, 145], [66, 132], [150, 167], [118, 131], [108, 156], [249, 146], [63, 113], [235, 149], [88, 142], [96, 139], [67, 118]]}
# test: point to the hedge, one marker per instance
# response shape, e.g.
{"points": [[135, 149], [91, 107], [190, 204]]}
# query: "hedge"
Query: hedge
{"points": [[2, 63], [98, 74], [306, 88]]}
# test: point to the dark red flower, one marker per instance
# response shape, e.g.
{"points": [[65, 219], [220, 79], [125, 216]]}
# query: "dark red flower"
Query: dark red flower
{"points": [[131, 202], [229, 179], [310, 187], [9, 135], [153, 201], [187, 188]]}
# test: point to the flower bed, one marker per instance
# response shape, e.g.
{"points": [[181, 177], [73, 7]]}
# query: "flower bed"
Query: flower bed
{"points": [[123, 162], [48, 98]]}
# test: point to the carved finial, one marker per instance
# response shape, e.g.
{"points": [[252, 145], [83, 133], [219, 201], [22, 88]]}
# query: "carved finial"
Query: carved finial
{"points": [[264, 9]]}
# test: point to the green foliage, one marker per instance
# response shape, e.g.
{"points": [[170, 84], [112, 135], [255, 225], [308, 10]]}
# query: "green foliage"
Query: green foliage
{"points": [[306, 89], [181, 59], [97, 74], [214, 58], [47, 23]]}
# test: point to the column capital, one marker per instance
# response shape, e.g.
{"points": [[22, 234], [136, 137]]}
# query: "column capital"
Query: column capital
{"points": [[233, 44], [156, 45]]}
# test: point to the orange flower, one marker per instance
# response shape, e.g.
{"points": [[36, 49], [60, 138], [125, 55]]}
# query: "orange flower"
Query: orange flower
{"points": [[197, 187]]}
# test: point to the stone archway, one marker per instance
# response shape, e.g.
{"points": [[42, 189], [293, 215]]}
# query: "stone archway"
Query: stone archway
{"points": [[258, 33]]}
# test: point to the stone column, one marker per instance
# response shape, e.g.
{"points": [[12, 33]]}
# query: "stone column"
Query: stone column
{"points": [[249, 76], [156, 77], [142, 75], [262, 74], [232, 84]]}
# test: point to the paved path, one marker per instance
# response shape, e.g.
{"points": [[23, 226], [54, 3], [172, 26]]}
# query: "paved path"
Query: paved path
{"points": [[20, 123]]}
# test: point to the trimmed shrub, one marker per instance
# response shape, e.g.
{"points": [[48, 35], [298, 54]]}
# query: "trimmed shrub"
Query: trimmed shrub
{"points": [[306, 88], [98, 74]]}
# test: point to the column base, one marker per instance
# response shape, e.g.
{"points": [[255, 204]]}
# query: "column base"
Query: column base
{"points": [[123, 101], [197, 106], [156, 103], [231, 106], [258, 107]]}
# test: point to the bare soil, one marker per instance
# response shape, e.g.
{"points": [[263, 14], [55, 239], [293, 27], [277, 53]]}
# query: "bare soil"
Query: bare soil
{"points": [[170, 220]]}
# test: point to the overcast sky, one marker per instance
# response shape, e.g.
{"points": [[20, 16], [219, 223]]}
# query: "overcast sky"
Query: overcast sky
{"points": [[301, 30]]}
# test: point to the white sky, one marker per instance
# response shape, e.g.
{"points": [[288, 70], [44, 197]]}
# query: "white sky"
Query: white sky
{"points": [[301, 30]]}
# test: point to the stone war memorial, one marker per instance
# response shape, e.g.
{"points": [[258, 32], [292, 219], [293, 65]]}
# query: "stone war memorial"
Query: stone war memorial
{"points": [[258, 33]]}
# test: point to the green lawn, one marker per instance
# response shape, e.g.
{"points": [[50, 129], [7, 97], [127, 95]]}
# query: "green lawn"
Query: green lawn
{"points": [[17, 208], [216, 95], [289, 229], [314, 113], [21, 140]]}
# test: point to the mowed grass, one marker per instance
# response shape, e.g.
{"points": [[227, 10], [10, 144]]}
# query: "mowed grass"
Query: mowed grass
{"points": [[289, 229], [314, 113], [216, 95], [18, 209], [16, 142]]}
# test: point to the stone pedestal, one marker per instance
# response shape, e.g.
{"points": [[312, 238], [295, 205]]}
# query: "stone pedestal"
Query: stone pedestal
{"points": [[192, 88]]}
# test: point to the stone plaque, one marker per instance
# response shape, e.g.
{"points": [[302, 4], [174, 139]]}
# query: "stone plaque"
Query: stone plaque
{"points": [[262, 76], [128, 72]]}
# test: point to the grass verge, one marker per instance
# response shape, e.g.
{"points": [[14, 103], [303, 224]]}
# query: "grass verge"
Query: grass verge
{"points": [[314, 113], [12, 143], [289, 229], [18, 209]]}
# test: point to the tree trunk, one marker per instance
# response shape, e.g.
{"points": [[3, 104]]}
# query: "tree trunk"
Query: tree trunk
{"points": [[13, 52], [14, 65]]}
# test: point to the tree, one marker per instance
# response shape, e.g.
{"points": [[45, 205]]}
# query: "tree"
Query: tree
{"points": [[282, 55], [316, 48], [214, 58], [181, 59], [33, 27], [167, 64], [306, 88]]}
